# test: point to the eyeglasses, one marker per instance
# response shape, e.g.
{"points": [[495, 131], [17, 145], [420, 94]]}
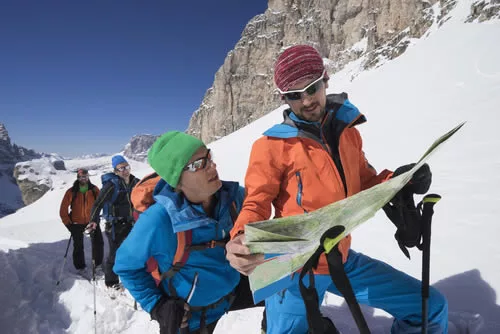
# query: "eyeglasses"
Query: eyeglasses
{"points": [[199, 164], [83, 177], [311, 89], [122, 169]]}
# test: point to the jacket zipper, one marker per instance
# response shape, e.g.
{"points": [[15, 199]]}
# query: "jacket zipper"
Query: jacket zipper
{"points": [[299, 190]]}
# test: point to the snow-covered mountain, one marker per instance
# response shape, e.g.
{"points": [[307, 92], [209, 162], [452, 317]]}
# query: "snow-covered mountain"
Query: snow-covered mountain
{"points": [[89, 156], [451, 75]]}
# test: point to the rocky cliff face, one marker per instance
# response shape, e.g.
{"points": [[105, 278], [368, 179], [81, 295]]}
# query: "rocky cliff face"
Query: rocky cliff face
{"points": [[11, 197], [137, 148], [12, 153], [342, 30], [484, 10]]}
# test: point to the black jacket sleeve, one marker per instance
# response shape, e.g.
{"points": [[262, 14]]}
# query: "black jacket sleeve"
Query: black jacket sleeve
{"points": [[105, 195]]}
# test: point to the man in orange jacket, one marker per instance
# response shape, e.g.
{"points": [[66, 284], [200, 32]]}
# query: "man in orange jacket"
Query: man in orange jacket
{"points": [[75, 215], [312, 159]]}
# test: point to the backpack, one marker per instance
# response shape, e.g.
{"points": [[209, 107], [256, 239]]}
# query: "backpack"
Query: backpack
{"points": [[142, 194], [142, 198], [107, 210]]}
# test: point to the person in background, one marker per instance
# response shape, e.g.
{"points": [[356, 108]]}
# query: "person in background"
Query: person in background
{"points": [[75, 212], [115, 194]]}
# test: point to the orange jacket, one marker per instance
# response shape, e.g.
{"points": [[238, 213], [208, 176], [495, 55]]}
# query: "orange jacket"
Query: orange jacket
{"points": [[291, 168], [77, 212]]}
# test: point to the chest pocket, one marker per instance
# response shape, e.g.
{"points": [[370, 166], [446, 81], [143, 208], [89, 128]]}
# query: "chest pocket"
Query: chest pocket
{"points": [[312, 181]]}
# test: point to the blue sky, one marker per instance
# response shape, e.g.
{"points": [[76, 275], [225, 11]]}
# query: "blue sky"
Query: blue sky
{"points": [[85, 76]]}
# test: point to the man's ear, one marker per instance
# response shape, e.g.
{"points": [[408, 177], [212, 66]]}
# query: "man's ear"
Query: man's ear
{"points": [[325, 79]]}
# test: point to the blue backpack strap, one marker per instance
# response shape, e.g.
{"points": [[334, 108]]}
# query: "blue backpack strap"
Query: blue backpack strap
{"points": [[108, 206]]}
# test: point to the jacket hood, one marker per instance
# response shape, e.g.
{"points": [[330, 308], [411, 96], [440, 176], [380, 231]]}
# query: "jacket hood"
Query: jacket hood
{"points": [[339, 109], [186, 215]]}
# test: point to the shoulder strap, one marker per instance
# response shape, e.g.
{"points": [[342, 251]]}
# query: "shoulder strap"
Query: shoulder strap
{"points": [[94, 192], [185, 246], [184, 240], [233, 212], [75, 193], [318, 323], [116, 190]]}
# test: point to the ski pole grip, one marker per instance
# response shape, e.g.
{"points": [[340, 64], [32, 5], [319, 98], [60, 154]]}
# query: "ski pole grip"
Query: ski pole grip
{"points": [[332, 237], [429, 201]]}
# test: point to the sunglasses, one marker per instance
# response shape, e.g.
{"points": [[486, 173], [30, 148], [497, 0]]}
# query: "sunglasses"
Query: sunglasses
{"points": [[311, 89], [199, 164], [83, 177], [122, 169]]}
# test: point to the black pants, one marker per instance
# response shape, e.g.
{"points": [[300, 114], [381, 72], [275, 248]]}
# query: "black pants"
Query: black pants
{"points": [[97, 246], [78, 249], [116, 233]]}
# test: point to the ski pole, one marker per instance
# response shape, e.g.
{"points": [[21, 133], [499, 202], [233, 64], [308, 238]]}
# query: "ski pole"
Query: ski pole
{"points": [[95, 283], [64, 261], [427, 212]]}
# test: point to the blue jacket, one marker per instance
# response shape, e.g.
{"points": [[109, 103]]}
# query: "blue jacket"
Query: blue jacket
{"points": [[153, 235]]}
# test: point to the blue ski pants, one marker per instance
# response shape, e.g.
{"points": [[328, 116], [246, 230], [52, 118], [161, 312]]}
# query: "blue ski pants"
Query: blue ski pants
{"points": [[376, 284]]}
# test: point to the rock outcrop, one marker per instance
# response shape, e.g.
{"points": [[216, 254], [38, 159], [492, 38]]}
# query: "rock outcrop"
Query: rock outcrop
{"points": [[33, 178], [137, 148], [10, 154], [342, 31]]}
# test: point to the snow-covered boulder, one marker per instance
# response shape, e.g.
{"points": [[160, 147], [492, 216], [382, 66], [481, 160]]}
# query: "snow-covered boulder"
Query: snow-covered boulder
{"points": [[33, 178]]}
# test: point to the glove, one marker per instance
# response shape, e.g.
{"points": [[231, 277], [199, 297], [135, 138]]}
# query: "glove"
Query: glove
{"points": [[420, 181], [401, 209], [169, 312], [90, 228]]}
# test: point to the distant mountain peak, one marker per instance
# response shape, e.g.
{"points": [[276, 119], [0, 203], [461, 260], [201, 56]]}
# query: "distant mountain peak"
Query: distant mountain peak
{"points": [[137, 148], [4, 134], [12, 153]]}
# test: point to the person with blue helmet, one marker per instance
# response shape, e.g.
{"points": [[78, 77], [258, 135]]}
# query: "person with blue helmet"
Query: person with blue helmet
{"points": [[189, 197], [114, 201]]}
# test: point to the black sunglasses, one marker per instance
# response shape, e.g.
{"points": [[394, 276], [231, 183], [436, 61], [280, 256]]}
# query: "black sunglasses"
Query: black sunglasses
{"points": [[199, 164]]}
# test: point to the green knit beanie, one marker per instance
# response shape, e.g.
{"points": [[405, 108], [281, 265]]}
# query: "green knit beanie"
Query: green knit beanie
{"points": [[170, 153]]}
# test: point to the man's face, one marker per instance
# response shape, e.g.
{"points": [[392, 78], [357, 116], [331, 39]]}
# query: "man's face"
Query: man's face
{"points": [[123, 170], [83, 179], [309, 107], [200, 179]]}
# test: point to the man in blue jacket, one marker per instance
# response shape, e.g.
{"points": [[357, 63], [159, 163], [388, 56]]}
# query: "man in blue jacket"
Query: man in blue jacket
{"points": [[192, 200]]}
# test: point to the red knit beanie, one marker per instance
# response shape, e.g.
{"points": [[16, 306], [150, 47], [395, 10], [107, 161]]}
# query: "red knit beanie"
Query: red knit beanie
{"points": [[82, 172], [295, 64]]}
